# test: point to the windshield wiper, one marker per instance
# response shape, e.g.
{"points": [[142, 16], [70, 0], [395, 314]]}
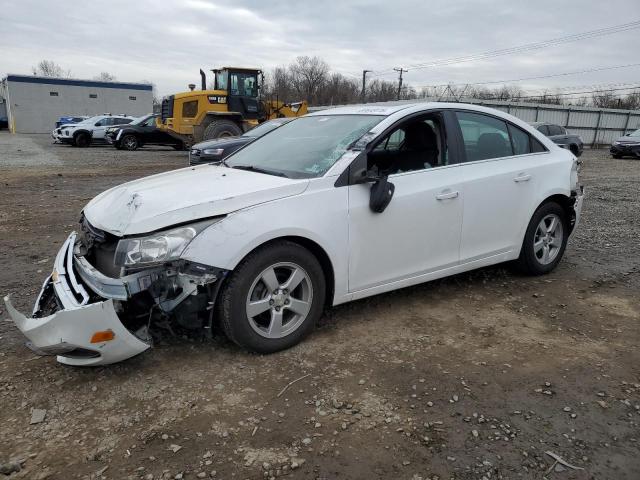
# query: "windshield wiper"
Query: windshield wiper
{"points": [[253, 168]]}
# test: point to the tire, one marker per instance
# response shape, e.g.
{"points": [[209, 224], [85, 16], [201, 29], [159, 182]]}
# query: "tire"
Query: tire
{"points": [[540, 255], [129, 142], [247, 288], [220, 129], [82, 140], [179, 147]]}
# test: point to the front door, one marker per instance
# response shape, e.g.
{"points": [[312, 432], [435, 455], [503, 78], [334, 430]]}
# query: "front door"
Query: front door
{"points": [[419, 232]]}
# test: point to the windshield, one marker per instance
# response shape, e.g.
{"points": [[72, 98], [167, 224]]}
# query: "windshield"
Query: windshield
{"points": [[306, 147], [141, 120], [635, 134], [264, 128]]}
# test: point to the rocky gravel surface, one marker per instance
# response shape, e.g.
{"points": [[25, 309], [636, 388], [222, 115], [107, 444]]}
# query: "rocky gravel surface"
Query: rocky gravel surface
{"points": [[486, 375]]}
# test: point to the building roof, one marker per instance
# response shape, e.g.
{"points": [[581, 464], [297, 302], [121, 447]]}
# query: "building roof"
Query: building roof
{"points": [[76, 82]]}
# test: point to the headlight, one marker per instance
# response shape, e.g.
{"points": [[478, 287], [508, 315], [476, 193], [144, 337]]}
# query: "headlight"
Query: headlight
{"points": [[159, 247], [212, 151]]}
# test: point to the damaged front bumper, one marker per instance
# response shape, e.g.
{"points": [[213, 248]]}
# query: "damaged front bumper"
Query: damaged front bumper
{"points": [[77, 315], [69, 330]]}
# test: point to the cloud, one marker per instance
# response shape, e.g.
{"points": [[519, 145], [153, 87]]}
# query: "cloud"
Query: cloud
{"points": [[167, 42]]}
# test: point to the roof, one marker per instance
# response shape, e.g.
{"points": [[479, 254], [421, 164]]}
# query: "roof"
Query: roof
{"points": [[370, 109], [77, 82]]}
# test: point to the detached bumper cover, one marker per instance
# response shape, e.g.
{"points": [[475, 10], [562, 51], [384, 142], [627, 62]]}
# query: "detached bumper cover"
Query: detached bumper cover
{"points": [[68, 330], [68, 333]]}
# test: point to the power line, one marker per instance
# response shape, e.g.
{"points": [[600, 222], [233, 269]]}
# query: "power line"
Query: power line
{"points": [[539, 77], [523, 48]]}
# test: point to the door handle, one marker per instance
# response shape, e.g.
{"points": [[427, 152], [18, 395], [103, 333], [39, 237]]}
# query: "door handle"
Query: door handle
{"points": [[446, 195], [523, 177]]}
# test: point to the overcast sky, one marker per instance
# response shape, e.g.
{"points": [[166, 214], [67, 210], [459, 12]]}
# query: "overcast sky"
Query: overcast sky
{"points": [[167, 42]]}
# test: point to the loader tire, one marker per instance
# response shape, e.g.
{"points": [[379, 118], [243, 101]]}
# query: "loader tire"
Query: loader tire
{"points": [[221, 129]]}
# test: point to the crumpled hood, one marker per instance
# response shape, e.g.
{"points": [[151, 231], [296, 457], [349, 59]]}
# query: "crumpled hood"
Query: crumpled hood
{"points": [[185, 195]]}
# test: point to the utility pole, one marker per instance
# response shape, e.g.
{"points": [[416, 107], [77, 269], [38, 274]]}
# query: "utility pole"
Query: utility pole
{"points": [[364, 80], [400, 70]]}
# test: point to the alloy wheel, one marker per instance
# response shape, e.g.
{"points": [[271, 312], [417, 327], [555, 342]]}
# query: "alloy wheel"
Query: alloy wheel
{"points": [[279, 300], [547, 241]]}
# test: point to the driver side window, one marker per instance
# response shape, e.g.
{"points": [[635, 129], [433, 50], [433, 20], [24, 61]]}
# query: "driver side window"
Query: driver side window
{"points": [[416, 144]]}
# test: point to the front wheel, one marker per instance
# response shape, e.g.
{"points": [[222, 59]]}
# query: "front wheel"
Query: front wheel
{"points": [[545, 240], [221, 129], [82, 140], [129, 142], [273, 299]]}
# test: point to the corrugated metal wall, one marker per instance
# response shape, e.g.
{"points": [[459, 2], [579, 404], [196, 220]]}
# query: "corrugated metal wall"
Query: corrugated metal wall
{"points": [[596, 126]]}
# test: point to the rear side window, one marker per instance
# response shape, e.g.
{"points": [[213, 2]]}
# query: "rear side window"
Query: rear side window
{"points": [[484, 137], [556, 130], [122, 121], [524, 143], [520, 141], [190, 109], [543, 129]]}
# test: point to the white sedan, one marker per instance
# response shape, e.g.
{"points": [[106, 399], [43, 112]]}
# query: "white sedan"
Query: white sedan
{"points": [[331, 207]]}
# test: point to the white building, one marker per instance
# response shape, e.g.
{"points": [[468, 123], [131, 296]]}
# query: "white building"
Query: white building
{"points": [[34, 104]]}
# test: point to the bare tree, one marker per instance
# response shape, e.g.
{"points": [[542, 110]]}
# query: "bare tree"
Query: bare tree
{"points": [[308, 75], [105, 77], [49, 68]]}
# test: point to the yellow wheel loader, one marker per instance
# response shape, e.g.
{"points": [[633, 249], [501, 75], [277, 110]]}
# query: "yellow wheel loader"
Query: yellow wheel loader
{"points": [[231, 108]]}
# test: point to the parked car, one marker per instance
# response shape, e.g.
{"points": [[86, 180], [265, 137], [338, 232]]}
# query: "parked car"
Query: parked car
{"points": [[628, 145], [560, 136], [70, 119], [213, 151], [143, 131], [331, 207], [91, 130]]}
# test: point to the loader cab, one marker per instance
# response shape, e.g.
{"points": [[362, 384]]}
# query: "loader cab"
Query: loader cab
{"points": [[241, 85]]}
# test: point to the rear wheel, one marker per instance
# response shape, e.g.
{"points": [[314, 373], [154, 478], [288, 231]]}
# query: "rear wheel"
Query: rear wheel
{"points": [[129, 142], [221, 129], [545, 240], [273, 299], [574, 149], [82, 140]]}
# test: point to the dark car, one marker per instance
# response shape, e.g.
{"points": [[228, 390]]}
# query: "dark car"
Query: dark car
{"points": [[213, 151], [140, 132], [560, 136], [628, 145]]}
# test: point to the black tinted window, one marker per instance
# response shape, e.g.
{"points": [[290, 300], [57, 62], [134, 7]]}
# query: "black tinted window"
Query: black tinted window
{"points": [[536, 146], [555, 130], [520, 141], [543, 129], [484, 137]]}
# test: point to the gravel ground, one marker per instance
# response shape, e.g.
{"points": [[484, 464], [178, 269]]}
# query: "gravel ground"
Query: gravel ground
{"points": [[472, 377]]}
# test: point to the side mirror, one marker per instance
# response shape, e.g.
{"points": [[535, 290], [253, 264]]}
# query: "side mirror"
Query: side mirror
{"points": [[381, 194]]}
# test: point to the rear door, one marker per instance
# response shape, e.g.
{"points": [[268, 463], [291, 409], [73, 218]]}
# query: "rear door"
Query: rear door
{"points": [[499, 178]]}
